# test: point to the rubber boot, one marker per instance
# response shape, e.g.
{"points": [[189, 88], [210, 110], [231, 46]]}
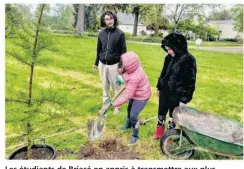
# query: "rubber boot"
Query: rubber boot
{"points": [[134, 137], [159, 132], [127, 125]]}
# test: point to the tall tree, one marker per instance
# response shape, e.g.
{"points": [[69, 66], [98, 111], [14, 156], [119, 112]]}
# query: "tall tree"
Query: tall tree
{"points": [[136, 12], [80, 19], [237, 12], [114, 7], [91, 21], [223, 14], [152, 14], [178, 12]]}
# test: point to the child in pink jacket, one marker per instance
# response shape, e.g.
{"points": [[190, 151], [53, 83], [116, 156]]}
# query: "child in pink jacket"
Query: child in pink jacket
{"points": [[137, 92]]}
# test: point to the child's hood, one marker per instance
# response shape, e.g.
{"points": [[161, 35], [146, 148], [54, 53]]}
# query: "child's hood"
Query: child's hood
{"points": [[130, 61]]}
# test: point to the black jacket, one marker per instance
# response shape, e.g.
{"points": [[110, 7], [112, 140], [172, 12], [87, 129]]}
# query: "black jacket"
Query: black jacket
{"points": [[111, 45], [178, 76]]}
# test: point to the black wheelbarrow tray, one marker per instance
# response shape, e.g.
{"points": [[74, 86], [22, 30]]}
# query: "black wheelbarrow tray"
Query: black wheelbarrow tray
{"points": [[204, 132]]}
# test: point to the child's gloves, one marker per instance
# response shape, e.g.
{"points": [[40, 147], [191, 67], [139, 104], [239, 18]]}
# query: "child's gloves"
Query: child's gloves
{"points": [[119, 80], [109, 101]]}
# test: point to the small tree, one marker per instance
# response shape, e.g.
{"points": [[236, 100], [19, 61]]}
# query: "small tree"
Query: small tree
{"points": [[32, 41]]}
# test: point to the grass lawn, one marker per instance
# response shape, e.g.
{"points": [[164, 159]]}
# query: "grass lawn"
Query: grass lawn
{"points": [[73, 95], [217, 44]]}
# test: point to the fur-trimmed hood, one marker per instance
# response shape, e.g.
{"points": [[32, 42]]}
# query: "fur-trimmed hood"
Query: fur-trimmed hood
{"points": [[175, 41]]}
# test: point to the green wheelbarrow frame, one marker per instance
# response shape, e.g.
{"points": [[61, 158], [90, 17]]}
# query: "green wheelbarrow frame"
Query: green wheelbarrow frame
{"points": [[204, 132]]}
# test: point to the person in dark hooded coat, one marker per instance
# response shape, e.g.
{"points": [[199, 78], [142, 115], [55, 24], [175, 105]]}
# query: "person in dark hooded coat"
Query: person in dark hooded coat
{"points": [[176, 83]]}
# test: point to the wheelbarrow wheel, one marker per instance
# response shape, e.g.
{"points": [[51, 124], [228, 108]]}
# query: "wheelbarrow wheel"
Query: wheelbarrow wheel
{"points": [[173, 147]]}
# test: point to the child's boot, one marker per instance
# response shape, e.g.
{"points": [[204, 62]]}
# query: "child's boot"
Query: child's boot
{"points": [[134, 137], [127, 125], [159, 132]]}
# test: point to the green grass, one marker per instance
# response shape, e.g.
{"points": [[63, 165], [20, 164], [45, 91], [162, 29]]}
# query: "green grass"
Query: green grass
{"points": [[74, 93], [217, 44]]}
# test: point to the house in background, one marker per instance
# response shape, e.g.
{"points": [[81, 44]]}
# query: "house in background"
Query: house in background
{"points": [[226, 28], [126, 23]]}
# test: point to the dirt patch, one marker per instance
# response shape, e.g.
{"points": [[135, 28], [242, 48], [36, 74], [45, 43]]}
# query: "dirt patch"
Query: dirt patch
{"points": [[65, 152], [37, 154], [108, 149]]}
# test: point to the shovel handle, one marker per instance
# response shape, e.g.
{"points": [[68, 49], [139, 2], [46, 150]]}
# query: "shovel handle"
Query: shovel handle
{"points": [[119, 93], [106, 106]]}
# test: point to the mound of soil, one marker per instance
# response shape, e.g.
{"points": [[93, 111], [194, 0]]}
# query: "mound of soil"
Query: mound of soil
{"points": [[108, 149], [37, 154]]}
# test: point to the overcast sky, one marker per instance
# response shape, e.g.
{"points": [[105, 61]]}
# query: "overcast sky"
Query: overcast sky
{"points": [[207, 10]]}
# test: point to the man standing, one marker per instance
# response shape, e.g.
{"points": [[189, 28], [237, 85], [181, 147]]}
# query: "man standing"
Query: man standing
{"points": [[111, 45], [176, 83]]}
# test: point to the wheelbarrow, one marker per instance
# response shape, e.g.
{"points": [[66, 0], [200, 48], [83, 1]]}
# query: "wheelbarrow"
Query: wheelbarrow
{"points": [[201, 131]]}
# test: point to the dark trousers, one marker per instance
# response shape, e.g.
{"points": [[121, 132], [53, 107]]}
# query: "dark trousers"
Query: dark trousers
{"points": [[167, 102], [133, 110]]}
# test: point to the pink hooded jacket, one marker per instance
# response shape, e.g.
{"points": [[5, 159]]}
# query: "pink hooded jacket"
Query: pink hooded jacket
{"points": [[136, 81]]}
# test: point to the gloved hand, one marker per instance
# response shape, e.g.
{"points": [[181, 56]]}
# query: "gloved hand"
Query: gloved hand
{"points": [[119, 80], [109, 101]]}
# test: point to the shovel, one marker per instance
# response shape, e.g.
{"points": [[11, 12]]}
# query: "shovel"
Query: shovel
{"points": [[96, 127]]}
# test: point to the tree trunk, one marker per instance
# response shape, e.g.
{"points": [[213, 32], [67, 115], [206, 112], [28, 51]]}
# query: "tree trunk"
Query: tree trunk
{"points": [[30, 84], [156, 30], [135, 23], [29, 143], [159, 19], [175, 28], [34, 55], [80, 19]]}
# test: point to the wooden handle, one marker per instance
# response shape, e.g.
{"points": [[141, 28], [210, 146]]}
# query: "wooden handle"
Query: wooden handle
{"points": [[106, 106], [119, 93]]}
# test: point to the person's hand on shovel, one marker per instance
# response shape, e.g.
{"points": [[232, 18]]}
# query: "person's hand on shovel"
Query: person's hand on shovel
{"points": [[116, 109]]}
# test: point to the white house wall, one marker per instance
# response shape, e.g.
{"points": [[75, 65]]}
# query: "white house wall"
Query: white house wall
{"points": [[227, 30], [129, 28]]}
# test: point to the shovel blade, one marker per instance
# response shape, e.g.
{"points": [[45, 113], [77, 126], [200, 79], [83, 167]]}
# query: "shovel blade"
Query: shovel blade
{"points": [[96, 127]]}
